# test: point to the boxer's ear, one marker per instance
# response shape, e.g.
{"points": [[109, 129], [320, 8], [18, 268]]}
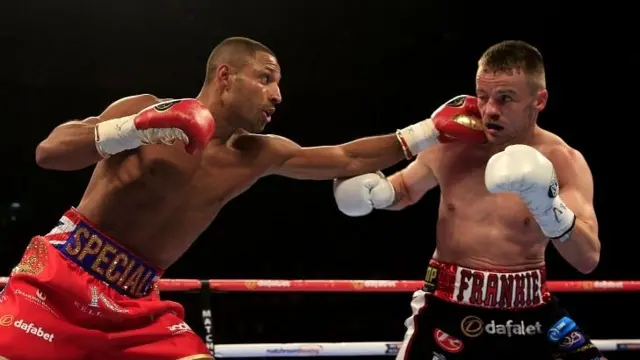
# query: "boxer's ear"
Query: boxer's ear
{"points": [[223, 75], [542, 96]]}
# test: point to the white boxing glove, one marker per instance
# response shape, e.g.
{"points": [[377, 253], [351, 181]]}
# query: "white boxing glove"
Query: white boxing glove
{"points": [[523, 170], [359, 195]]}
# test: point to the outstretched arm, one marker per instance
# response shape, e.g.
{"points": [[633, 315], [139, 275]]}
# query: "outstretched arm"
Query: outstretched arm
{"points": [[327, 162], [582, 248], [455, 120]]}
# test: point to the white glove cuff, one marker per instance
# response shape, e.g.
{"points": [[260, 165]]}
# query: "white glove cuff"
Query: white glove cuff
{"points": [[558, 222], [117, 135], [417, 137]]}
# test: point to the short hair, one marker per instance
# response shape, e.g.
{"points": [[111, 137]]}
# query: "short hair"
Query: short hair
{"points": [[510, 55], [235, 51]]}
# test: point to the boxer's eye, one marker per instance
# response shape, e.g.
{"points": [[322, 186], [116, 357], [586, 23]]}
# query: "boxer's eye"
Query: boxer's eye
{"points": [[265, 78], [505, 99]]}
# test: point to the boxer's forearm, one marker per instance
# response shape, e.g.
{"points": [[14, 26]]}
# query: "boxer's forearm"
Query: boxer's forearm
{"points": [[70, 146], [401, 199], [366, 155], [582, 248], [371, 154]]}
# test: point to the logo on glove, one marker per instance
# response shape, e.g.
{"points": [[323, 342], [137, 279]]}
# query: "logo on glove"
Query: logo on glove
{"points": [[166, 105], [553, 186], [456, 102]]}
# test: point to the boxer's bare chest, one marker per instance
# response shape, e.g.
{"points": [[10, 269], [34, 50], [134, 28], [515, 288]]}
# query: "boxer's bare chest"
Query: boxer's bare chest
{"points": [[160, 214], [477, 228]]}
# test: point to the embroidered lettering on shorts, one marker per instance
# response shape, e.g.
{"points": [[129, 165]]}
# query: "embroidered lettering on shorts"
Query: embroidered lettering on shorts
{"points": [[107, 261]]}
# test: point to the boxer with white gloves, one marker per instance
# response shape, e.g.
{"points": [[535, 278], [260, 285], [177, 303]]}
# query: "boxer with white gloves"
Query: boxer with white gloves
{"points": [[523, 170], [456, 120], [485, 294]]}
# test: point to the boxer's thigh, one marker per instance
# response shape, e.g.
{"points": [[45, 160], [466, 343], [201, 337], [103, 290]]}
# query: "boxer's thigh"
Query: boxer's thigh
{"points": [[167, 337], [427, 335], [30, 328], [576, 345]]}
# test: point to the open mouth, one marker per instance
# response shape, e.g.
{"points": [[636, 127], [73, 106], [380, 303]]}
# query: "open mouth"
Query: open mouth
{"points": [[267, 114], [494, 127]]}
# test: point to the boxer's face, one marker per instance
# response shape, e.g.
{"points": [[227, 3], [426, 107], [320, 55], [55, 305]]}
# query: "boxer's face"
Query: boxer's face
{"points": [[509, 104], [254, 92]]}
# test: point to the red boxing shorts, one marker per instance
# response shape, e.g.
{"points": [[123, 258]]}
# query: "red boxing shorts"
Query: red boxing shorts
{"points": [[77, 294]]}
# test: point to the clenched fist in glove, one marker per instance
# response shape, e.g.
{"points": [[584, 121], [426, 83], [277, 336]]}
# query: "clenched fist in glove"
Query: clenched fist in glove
{"points": [[359, 195], [523, 170], [185, 119], [457, 120]]}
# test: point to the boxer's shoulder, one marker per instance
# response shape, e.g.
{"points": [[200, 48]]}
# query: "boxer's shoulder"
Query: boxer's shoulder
{"points": [[277, 147], [554, 147], [567, 161], [269, 147], [129, 105]]}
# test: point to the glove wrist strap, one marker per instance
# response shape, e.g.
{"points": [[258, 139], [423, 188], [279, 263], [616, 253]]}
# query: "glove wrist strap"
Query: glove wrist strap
{"points": [[117, 135], [417, 137], [558, 221]]}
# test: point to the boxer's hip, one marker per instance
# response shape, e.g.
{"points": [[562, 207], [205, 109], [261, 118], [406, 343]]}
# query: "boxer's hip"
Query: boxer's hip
{"points": [[75, 246], [489, 289]]}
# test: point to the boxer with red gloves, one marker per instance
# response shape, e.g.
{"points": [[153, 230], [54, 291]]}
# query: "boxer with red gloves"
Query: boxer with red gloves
{"points": [[161, 176], [501, 203], [457, 119], [186, 120]]}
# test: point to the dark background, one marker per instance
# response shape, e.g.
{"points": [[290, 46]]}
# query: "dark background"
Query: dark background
{"points": [[351, 69]]}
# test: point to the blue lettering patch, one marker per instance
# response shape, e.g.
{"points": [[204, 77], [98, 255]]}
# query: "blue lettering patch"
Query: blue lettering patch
{"points": [[561, 329]]}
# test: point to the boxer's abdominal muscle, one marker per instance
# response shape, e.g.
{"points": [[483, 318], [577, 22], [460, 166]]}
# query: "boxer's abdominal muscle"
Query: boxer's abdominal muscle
{"points": [[160, 212]]}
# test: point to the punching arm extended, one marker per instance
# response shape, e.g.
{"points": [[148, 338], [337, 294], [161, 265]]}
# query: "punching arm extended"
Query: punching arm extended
{"points": [[456, 120], [328, 162]]}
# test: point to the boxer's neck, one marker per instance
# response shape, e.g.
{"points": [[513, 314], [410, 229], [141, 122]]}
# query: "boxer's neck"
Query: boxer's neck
{"points": [[224, 130]]}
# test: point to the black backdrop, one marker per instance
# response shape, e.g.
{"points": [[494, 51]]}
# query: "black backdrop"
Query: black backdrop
{"points": [[351, 69]]}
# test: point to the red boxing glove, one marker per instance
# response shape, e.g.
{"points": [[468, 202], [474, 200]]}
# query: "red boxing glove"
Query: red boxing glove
{"points": [[188, 115], [459, 120], [184, 119]]}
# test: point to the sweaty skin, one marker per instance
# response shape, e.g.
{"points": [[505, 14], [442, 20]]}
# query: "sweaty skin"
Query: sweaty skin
{"points": [[156, 200], [475, 228]]}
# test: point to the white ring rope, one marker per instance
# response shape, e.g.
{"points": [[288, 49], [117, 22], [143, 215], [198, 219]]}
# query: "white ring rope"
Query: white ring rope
{"points": [[359, 348]]}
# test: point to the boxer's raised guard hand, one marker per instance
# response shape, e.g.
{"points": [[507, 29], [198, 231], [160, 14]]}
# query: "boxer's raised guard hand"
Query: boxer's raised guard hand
{"points": [[359, 195], [456, 120], [523, 170], [164, 123]]}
